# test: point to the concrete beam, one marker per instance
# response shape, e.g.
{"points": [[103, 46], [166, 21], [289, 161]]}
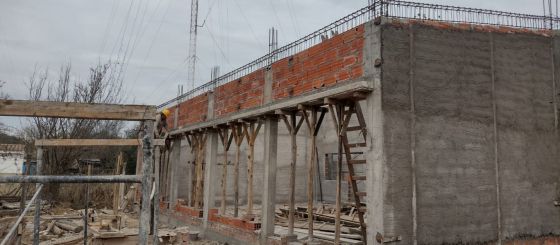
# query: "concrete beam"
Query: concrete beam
{"points": [[28, 108], [269, 180], [342, 90]]}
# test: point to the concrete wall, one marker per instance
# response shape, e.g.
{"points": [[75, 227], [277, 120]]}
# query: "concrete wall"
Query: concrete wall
{"points": [[469, 141], [470, 133]]}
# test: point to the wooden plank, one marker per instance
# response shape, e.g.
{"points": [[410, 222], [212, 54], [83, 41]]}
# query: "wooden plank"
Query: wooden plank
{"points": [[27, 108], [87, 142], [318, 96]]}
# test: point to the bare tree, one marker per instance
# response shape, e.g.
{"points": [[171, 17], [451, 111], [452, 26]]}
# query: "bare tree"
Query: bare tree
{"points": [[100, 87], [3, 96]]}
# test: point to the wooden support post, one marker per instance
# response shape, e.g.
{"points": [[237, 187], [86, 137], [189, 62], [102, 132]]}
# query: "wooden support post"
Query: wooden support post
{"points": [[147, 173], [313, 124], [37, 218], [192, 178], [200, 139], [23, 186], [116, 187], [155, 198], [86, 205], [336, 115], [251, 131], [226, 139], [166, 177], [293, 126], [238, 136]]}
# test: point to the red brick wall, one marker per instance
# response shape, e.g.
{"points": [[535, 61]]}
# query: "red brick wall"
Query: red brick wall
{"points": [[243, 93], [334, 60], [191, 111]]}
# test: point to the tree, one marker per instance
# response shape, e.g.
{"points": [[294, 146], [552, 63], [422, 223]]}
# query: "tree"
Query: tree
{"points": [[3, 96], [100, 87]]}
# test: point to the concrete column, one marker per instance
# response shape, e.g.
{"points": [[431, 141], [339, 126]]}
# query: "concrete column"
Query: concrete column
{"points": [[375, 155], [267, 93], [176, 116], [210, 176], [175, 160], [210, 112], [269, 180]]}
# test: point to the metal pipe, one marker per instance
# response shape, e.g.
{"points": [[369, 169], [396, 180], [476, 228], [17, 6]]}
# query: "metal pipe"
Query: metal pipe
{"points": [[20, 218], [71, 179]]}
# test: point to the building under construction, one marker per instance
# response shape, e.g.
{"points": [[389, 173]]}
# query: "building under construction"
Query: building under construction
{"points": [[401, 123]]}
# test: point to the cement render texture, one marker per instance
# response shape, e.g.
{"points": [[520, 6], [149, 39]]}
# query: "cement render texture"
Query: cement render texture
{"points": [[447, 127], [396, 107], [528, 140]]}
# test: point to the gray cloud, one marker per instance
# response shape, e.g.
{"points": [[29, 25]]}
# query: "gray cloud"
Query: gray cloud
{"points": [[49, 33]]}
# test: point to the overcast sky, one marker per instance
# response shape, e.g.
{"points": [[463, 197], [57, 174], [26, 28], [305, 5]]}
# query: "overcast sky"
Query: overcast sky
{"points": [[49, 33]]}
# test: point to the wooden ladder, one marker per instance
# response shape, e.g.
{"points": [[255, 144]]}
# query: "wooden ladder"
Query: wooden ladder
{"points": [[346, 110]]}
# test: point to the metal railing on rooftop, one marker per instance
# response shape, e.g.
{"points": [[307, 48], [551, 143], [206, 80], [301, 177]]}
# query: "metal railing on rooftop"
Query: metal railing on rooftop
{"points": [[387, 8]]}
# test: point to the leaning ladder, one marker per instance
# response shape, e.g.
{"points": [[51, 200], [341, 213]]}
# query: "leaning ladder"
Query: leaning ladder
{"points": [[346, 110]]}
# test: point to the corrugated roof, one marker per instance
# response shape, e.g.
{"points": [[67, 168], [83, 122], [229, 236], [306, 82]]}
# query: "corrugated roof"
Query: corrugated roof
{"points": [[12, 148]]}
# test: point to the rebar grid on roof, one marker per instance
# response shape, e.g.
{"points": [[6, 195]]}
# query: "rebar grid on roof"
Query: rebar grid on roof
{"points": [[387, 8]]}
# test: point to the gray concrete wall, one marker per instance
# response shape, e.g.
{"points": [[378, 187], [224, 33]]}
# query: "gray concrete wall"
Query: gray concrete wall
{"points": [[184, 169], [470, 133], [528, 139]]}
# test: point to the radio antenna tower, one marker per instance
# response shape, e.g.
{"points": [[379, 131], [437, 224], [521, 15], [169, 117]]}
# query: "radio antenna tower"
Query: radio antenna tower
{"points": [[192, 44]]}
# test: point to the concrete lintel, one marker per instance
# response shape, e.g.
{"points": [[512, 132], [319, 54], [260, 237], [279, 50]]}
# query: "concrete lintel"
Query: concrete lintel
{"points": [[342, 90]]}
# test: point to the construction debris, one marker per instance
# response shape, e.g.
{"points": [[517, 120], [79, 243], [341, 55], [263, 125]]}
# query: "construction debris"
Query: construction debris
{"points": [[324, 223]]}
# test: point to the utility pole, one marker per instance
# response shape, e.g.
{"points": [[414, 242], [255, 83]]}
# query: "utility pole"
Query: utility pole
{"points": [[192, 44]]}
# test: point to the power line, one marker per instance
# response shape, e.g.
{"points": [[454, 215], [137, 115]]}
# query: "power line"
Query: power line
{"points": [[140, 33], [259, 41], [292, 17], [124, 61], [156, 35], [276, 15], [121, 37], [218, 45], [108, 26]]}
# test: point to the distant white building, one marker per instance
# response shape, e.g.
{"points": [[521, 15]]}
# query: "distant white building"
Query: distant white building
{"points": [[11, 158]]}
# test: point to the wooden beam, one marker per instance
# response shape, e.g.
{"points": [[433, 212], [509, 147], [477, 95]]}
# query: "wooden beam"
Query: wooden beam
{"points": [[87, 142], [27, 108], [342, 91]]}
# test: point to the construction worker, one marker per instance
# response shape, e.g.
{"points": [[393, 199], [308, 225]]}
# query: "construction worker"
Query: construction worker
{"points": [[161, 124]]}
